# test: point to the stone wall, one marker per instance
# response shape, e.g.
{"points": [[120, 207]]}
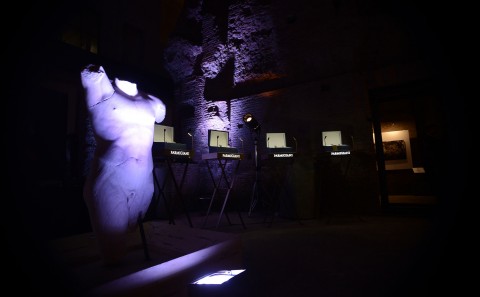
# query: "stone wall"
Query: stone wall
{"points": [[299, 71]]}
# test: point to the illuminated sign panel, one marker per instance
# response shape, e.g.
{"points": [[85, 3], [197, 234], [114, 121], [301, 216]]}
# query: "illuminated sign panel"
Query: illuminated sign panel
{"points": [[231, 156], [336, 153], [283, 155], [180, 153]]}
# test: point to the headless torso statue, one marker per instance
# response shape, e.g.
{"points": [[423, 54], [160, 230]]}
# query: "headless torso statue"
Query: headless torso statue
{"points": [[119, 187]]}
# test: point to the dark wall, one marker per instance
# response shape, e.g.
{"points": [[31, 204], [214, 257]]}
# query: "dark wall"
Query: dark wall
{"points": [[299, 70]]}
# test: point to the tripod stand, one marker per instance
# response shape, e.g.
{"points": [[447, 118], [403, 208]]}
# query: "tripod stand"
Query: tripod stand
{"points": [[255, 194], [256, 184]]}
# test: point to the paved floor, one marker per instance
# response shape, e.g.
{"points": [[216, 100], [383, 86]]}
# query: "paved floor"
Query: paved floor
{"points": [[400, 253], [403, 253]]}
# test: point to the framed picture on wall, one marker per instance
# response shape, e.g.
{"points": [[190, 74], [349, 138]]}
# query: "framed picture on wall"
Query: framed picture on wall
{"points": [[396, 149]]}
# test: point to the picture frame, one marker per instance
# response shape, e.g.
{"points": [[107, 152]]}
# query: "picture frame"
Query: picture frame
{"points": [[397, 150]]}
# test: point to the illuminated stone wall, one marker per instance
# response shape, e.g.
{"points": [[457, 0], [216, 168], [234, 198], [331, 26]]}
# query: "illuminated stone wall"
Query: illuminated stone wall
{"points": [[299, 71]]}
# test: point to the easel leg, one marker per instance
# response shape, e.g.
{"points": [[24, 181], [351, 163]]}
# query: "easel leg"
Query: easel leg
{"points": [[142, 234]]}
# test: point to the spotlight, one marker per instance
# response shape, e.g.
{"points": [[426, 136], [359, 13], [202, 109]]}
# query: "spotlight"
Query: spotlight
{"points": [[247, 117], [251, 122]]}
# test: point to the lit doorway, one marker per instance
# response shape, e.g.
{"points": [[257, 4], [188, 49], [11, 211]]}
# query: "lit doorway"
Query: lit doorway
{"points": [[407, 132]]}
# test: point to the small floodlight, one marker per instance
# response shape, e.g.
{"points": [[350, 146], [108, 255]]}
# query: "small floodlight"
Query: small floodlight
{"points": [[247, 117], [251, 122]]}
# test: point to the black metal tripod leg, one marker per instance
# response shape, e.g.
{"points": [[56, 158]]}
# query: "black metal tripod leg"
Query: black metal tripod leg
{"points": [[167, 202], [230, 187], [142, 234], [254, 198], [161, 192], [178, 191], [223, 176], [215, 186]]}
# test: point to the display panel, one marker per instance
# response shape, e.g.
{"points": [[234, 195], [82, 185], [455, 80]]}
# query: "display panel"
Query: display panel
{"points": [[162, 133], [331, 138], [275, 140], [218, 138]]}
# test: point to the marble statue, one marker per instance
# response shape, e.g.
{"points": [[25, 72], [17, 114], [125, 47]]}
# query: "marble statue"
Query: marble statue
{"points": [[119, 186]]}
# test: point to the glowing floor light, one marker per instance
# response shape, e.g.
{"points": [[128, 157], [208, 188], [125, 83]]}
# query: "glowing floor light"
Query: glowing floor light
{"points": [[218, 284], [218, 278]]}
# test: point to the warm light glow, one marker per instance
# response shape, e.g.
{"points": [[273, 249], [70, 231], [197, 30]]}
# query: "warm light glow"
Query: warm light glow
{"points": [[247, 118], [251, 122], [218, 277]]}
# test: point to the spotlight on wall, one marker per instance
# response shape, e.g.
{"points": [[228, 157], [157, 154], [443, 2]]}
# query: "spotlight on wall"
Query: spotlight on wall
{"points": [[251, 122], [214, 110]]}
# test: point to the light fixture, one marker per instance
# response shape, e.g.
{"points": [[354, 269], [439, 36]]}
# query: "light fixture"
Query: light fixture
{"points": [[251, 122], [241, 139], [254, 126], [213, 110], [192, 135], [218, 278], [219, 283]]}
